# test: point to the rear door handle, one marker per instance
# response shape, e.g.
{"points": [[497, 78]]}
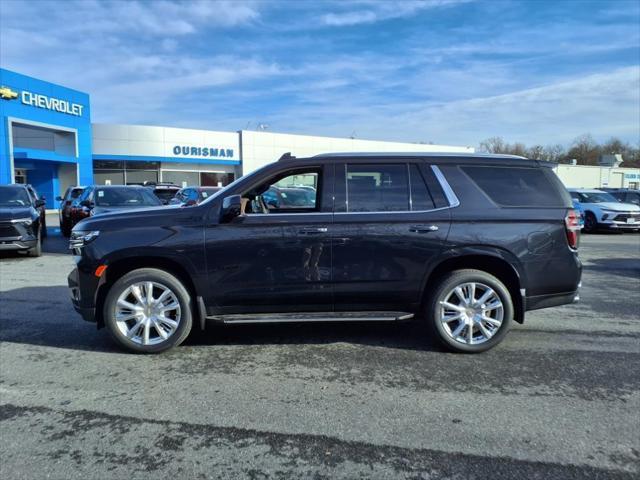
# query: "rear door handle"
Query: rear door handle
{"points": [[313, 230], [423, 228]]}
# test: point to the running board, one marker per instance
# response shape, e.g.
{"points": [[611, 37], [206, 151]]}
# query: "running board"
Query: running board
{"points": [[312, 317]]}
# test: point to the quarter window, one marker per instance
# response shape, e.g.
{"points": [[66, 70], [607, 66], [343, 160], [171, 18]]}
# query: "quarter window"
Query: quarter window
{"points": [[517, 186], [377, 188]]}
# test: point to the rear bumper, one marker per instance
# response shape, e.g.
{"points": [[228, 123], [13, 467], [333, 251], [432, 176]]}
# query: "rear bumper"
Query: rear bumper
{"points": [[554, 300]]}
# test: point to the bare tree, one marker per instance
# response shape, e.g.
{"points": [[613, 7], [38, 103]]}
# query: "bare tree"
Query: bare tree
{"points": [[584, 149]]}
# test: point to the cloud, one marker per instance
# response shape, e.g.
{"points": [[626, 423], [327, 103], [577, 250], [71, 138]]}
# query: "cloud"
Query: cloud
{"points": [[222, 65], [371, 11], [604, 104], [133, 18]]}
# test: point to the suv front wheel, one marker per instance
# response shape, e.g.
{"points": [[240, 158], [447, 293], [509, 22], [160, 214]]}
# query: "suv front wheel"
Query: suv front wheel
{"points": [[470, 311], [148, 311]]}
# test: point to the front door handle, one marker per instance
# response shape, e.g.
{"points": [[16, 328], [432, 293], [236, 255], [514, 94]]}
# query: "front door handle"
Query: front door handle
{"points": [[313, 230], [423, 228]]}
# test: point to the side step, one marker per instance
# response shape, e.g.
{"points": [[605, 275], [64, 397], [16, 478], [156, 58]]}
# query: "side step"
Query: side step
{"points": [[312, 317]]}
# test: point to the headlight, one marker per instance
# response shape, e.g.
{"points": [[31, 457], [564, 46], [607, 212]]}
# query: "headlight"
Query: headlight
{"points": [[26, 220], [80, 239]]}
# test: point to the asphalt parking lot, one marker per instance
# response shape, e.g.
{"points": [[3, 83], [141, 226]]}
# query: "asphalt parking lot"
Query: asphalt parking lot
{"points": [[559, 398]]}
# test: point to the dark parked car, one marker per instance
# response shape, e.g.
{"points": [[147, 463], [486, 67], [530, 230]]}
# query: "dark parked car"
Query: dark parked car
{"points": [[465, 243], [100, 199], [289, 197], [626, 195], [22, 219], [64, 210], [164, 191], [190, 196]]}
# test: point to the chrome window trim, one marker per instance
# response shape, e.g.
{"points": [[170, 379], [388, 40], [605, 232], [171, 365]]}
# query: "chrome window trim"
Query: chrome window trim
{"points": [[448, 191], [446, 188]]}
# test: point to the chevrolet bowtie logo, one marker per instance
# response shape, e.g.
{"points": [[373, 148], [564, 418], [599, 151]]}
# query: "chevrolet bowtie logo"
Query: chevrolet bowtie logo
{"points": [[7, 93]]}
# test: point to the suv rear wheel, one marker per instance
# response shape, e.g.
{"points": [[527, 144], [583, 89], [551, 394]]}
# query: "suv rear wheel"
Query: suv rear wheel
{"points": [[470, 311], [148, 311]]}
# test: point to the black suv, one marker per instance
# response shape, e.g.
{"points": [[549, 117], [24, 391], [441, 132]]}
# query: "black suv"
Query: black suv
{"points": [[466, 243], [625, 195], [22, 219]]}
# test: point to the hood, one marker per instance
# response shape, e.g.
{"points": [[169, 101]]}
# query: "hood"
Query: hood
{"points": [[118, 210], [619, 207], [108, 219], [9, 213]]}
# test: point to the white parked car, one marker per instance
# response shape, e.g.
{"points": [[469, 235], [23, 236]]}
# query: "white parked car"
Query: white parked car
{"points": [[602, 211]]}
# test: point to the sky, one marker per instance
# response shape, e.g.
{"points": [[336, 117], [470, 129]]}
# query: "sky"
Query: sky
{"points": [[442, 71]]}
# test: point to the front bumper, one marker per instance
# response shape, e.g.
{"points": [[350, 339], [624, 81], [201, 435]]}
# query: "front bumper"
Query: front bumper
{"points": [[620, 221], [17, 236], [10, 244], [83, 298]]}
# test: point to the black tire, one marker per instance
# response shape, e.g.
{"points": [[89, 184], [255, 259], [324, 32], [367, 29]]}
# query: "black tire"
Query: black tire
{"points": [[65, 229], [36, 251], [44, 227], [447, 284], [149, 275], [590, 223]]}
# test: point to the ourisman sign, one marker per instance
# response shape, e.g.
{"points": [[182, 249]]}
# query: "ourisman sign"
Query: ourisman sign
{"points": [[203, 151], [55, 104]]}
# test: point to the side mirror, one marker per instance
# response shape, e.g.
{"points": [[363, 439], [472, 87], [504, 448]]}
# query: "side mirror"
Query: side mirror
{"points": [[40, 203], [59, 198], [86, 203], [189, 203], [231, 208]]}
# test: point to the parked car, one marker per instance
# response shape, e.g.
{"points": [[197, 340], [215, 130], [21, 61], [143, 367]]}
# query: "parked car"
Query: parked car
{"points": [[465, 243], [100, 199], [289, 197], [625, 195], [190, 196], [164, 191], [602, 211], [66, 204], [22, 219], [580, 210]]}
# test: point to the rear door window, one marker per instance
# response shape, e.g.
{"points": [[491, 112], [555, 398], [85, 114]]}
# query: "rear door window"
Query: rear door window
{"points": [[377, 188], [516, 186], [420, 196]]}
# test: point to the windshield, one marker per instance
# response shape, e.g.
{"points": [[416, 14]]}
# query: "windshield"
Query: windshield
{"points": [[14, 197], [76, 192], [597, 197], [165, 194], [125, 197]]}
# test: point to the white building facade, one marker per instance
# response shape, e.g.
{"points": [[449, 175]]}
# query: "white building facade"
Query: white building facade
{"points": [[134, 154]]}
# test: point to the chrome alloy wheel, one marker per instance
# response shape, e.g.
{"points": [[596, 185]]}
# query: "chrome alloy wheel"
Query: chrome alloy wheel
{"points": [[148, 313], [471, 313]]}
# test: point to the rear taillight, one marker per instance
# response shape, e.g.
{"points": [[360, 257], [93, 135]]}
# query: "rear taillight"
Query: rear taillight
{"points": [[572, 227]]}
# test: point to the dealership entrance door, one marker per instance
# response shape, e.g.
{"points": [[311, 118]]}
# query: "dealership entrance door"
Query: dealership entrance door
{"points": [[49, 178]]}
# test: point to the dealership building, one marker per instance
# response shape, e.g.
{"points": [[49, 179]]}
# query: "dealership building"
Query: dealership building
{"points": [[47, 139]]}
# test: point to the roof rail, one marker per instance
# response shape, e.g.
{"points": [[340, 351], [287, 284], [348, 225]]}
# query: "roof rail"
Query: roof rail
{"points": [[420, 154], [286, 156]]}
